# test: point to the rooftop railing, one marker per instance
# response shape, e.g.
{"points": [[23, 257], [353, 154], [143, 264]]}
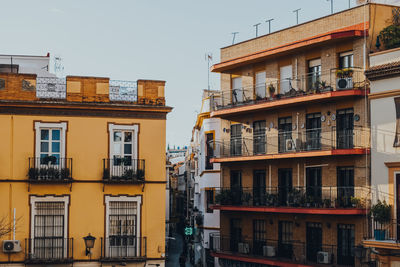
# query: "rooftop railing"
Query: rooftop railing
{"points": [[308, 84], [304, 140], [294, 196], [284, 251]]}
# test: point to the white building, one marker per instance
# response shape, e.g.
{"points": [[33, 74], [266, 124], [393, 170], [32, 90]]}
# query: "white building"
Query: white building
{"points": [[38, 65], [207, 177], [384, 76]]}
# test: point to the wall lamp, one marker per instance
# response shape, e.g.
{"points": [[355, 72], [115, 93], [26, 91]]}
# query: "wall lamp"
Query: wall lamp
{"points": [[89, 243]]}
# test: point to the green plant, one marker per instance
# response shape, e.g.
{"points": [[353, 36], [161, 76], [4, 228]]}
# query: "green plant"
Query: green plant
{"points": [[106, 174], [224, 197], [53, 173], [48, 159], [246, 197], [271, 89], [355, 201], [33, 173], [381, 212], [327, 203], [344, 73], [390, 36]]}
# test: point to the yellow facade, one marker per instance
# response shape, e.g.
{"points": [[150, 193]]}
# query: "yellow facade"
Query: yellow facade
{"points": [[87, 143]]}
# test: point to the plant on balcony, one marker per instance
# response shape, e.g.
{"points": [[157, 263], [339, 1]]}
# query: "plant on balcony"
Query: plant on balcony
{"points": [[390, 36], [271, 90], [48, 159], [356, 202], [140, 174], [327, 203], [295, 197], [344, 73], [65, 174], [246, 199], [33, 173], [381, 212], [224, 197], [106, 174], [271, 199]]}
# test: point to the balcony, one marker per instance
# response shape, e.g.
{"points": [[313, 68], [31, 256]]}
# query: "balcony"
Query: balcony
{"points": [[276, 253], [127, 248], [50, 169], [291, 144], [386, 236], [328, 200], [312, 87], [123, 170], [48, 250]]}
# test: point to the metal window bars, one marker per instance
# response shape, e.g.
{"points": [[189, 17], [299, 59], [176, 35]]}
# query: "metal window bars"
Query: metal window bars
{"points": [[48, 249]]}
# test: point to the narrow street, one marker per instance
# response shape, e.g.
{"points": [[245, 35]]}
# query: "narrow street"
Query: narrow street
{"points": [[175, 250]]}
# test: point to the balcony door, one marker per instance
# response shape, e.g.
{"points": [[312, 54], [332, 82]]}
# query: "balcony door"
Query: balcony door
{"points": [[345, 183], [285, 133], [237, 92], [398, 204], [259, 144], [235, 234], [314, 185], [236, 187], [313, 132], [285, 237], [285, 79], [236, 140], [314, 74], [209, 150], [260, 85], [259, 236], [313, 240], [259, 188], [346, 241], [344, 128], [284, 185]]}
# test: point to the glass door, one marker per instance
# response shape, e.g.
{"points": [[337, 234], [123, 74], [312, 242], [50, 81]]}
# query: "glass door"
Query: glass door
{"points": [[346, 240], [284, 186], [313, 240], [260, 85], [236, 187], [236, 140], [344, 128], [345, 183], [284, 132], [314, 183], [259, 188], [313, 128], [259, 144]]}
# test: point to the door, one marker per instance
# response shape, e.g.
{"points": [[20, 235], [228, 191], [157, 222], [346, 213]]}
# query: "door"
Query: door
{"points": [[260, 85], [285, 79], [236, 140], [209, 150], [314, 74], [344, 128], [259, 144], [285, 237], [236, 187], [235, 234], [284, 186], [346, 240], [314, 189], [313, 240], [398, 205], [285, 134], [259, 236], [237, 92], [259, 188], [313, 131], [345, 183]]}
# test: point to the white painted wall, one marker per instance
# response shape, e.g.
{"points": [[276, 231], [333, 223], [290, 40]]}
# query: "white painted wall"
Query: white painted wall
{"points": [[38, 65]]}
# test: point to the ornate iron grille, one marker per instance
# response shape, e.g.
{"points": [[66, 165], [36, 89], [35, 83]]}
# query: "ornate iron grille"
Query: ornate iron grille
{"points": [[51, 87], [123, 91]]}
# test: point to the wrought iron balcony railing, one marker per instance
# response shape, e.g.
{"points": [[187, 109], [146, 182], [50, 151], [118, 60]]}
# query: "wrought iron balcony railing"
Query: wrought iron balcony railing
{"points": [[301, 197], [123, 247], [388, 231], [275, 142], [124, 170], [49, 250], [51, 87], [50, 169], [285, 251], [308, 84]]}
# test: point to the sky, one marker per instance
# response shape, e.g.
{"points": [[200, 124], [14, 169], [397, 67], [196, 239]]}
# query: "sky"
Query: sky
{"points": [[148, 39]]}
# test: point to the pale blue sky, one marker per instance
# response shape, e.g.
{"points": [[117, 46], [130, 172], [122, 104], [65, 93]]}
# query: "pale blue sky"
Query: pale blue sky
{"points": [[147, 39]]}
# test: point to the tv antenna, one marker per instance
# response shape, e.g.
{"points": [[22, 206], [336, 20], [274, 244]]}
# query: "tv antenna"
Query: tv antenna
{"points": [[58, 66], [297, 15], [269, 25], [209, 58], [234, 35], [256, 26], [332, 5]]}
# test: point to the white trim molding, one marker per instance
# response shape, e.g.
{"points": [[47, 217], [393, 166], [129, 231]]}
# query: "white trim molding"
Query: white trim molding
{"points": [[51, 125], [117, 127]]}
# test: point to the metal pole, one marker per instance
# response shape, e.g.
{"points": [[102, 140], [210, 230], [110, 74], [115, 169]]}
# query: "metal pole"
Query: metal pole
{"points": [[269, 25], [256, 26], [234, 35], [297, 15]]}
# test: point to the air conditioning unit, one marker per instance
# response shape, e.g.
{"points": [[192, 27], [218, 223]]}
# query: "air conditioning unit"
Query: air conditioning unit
{"points": [[244, 248], [344, 83], [323, 257], [269, 251], [290, 145], [11, 246]]}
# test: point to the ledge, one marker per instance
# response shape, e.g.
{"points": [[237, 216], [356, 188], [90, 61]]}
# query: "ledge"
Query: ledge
{"points": [[385, 244]]}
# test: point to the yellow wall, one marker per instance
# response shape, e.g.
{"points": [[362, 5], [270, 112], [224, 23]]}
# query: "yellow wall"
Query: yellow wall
{"points": [[87, 144]]}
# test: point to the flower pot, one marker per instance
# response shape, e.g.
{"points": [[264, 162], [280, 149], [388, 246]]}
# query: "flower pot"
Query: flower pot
{"points": [[379, 234]]}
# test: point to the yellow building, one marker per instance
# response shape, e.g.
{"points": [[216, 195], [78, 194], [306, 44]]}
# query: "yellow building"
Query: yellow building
{"points": [[82, 156]]}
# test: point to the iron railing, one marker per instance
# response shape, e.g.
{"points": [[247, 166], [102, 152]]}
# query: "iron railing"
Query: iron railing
{"points": [[123, 91], [123, 170], [123, 247], [387, 231], [50, 169], [297, 196], [49, 249], [274, 142], [275, 89], [285, 251], [51, 87]]}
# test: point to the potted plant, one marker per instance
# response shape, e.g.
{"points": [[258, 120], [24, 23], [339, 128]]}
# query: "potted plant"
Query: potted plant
{"points": [[48, 159], [381, 212], [246, 198], [355, 202], [33, 174], [327, 203], [271, 90]]}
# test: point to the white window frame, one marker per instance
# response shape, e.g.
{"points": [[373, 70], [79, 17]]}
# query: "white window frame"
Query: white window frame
{"points": [[138, 200], [50, 125], [116, 127], [33, 200]]}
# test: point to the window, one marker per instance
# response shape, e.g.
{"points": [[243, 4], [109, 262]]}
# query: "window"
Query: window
{"points": [[285, 142], [209, 150], [123, 227], [50, 143], [236, 140], [346, 241], [314, 73], [260, 85], [49, 219], [285, 79], [397, 137], [285, 245], [259, 236], [237, 91], [209, 199], [346, 60], [123, 148], [259, 144]]}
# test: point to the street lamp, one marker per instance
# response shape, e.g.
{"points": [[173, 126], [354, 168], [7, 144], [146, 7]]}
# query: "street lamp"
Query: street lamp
{"points": [[89, 243]]}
